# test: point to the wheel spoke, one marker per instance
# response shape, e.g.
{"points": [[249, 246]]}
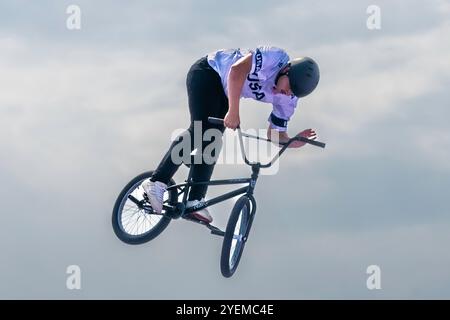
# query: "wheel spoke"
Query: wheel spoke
{"points": [[140, 222], [135, 215]]}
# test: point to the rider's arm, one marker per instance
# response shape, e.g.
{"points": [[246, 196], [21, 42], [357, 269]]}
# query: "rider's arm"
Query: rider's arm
{"points": [[277, 137], [280, 137], [236, 78]]}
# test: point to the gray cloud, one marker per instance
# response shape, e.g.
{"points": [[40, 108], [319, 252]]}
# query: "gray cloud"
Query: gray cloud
{"points": [[81, 113]]}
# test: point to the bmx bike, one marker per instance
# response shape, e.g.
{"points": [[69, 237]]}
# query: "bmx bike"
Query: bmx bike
{"points": [[135, 222]]}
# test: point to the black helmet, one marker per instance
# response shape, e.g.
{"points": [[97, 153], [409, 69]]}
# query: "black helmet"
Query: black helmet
{"points": [[303, 76]]}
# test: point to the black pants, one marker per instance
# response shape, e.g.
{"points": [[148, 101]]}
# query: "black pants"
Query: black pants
{"points": [[206, 98]]}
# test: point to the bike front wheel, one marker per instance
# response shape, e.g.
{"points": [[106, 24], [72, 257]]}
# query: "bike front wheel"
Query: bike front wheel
{"points": [[133, 219], [235, 236]]}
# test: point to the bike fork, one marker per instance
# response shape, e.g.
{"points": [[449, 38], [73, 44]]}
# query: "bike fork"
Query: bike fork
{"points": [[252, 216], [254, 177]]}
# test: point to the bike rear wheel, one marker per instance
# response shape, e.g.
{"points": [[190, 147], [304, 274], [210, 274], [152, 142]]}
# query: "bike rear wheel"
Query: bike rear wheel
{"points": [[133, 219], [235, 236]]}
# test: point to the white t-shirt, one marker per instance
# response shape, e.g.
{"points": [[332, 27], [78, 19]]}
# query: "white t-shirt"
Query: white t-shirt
{"points": [[266, 63]]}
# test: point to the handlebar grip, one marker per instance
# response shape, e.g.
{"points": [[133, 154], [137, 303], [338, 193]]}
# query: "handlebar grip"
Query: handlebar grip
{"points": [[313, 142], [215, 120], [218, 121]]}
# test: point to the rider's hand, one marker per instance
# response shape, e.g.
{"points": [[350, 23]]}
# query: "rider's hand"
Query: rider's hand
{"points": [[308, 133], [231, 120]]}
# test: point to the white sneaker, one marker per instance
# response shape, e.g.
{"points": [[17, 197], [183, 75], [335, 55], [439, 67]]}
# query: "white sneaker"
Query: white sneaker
{"points": [[155, 193], [203, 214]]}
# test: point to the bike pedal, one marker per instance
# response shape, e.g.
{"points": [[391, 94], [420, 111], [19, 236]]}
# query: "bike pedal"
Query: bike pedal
{"points": [[194, 219], [147, 208], [216, 231]]}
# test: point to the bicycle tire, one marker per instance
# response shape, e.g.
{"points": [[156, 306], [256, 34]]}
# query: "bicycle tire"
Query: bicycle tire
{"points": [[117, 222], [231, 256]]}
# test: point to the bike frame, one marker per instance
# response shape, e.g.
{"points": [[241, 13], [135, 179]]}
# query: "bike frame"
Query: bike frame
{"points": [[180, 210], [185, 187]]}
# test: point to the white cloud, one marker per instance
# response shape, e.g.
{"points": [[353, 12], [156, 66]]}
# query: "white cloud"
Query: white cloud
{"points": [[433, 148], [80, 119], [365, 80]]}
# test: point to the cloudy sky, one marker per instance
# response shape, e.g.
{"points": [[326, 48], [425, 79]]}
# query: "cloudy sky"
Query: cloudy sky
{"points": [[84, 111]]}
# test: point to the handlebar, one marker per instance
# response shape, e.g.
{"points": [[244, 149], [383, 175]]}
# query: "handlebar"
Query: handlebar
{"points": [[219, 121], [313, 142]]}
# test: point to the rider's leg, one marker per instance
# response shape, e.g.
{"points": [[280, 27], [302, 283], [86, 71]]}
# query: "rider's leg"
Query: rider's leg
{"points": [[156, 186], [204, 103], [206, 98], [168, 165], [204, 170], [202, 87]]}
